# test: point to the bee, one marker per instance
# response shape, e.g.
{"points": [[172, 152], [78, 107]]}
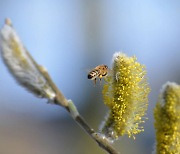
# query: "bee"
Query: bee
{"points": [[99, 71]]}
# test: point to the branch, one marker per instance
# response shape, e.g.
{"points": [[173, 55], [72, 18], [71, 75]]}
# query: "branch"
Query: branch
{"points": [[71, 108], [36, 79]]}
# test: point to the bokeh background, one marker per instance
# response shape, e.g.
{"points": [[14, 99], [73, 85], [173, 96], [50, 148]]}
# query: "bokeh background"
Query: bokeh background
{"points": [[68, 38]]}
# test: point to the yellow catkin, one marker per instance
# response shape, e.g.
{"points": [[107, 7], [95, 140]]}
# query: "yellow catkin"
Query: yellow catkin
{"points": [[167, 120], [126, 94]]}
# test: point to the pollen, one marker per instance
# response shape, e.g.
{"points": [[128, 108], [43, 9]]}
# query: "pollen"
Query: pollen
{"points": [[167, 120], [126, 95]]}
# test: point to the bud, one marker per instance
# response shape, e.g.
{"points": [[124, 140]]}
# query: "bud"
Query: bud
{"points": [[167, 120], [126, 95], [21, 65]]}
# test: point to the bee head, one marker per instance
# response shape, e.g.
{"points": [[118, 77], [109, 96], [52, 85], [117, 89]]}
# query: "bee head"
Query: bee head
{"points": [[106, 66]]}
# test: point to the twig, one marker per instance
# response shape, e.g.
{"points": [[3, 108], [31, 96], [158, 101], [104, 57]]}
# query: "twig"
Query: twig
{"points": [[23, 58], [71, 108]]}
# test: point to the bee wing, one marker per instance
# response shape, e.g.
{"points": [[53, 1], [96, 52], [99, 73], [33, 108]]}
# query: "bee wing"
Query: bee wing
{"points": [[88, 70]]}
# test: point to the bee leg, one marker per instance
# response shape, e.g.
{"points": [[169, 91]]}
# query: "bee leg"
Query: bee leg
{"points": [[94, 81], [100, 80], [100, 77]]}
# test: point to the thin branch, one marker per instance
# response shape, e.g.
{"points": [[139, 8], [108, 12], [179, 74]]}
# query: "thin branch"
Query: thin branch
{"points": [[70, 107], [36, 79]]}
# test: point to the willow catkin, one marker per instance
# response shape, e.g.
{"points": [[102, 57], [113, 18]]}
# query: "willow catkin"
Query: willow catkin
{"points": [[126, 95]]}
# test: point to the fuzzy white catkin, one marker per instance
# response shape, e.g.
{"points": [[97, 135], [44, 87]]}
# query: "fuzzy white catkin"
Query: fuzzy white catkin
{"points": [[21, 65]]}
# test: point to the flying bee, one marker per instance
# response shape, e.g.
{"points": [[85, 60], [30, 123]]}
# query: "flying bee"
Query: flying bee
{"points": [[99, 71]]}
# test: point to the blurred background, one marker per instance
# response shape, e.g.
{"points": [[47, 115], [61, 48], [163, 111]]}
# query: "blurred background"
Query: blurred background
{"points": [[68, 38]]}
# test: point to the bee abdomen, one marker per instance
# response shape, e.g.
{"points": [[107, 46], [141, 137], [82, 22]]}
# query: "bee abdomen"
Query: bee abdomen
{"points": [[92, 74], [89, 76]]}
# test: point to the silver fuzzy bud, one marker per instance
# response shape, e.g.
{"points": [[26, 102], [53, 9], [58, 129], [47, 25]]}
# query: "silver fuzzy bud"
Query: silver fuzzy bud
{"points": [[21, 65]]}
